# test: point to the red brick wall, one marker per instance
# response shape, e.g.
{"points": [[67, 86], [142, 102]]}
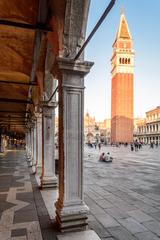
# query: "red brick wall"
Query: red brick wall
{"points": [[122, 108]]}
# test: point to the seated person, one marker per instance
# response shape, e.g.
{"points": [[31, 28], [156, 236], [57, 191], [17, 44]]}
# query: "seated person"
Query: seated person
{"points": [[109, 158], [104, 158]]}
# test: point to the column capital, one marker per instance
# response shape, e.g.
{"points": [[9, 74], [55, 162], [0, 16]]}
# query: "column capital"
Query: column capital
{"points": [[46, 104], [30, 125], [75, 67], [47, 108]]}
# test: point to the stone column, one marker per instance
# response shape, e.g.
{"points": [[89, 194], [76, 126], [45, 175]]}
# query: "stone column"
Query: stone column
{"points": [[31, 147], [27, 143], [34, 147], [1, 144], [48, 178], [71, 211], [39, 145]]}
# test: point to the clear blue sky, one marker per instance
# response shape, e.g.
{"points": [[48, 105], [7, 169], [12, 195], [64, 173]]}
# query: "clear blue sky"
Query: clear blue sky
{"points": [[143, 17]]}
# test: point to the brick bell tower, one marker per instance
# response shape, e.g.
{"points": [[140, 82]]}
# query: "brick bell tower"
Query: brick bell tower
{"points": [[122, 85]]}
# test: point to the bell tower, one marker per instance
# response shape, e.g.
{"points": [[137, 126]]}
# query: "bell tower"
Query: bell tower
{"points": [[122, 85]]}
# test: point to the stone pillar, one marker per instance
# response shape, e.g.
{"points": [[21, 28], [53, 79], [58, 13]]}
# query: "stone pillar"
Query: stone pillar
{"points": [[31, 147], [34, 162], [27, 143], [71, 211], [48, 178], [1, 144], [39, 145]]}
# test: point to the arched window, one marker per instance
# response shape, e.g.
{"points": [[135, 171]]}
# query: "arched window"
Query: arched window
{"points": [[120, 60], [129, 61], [126, 61], [123, 60]]}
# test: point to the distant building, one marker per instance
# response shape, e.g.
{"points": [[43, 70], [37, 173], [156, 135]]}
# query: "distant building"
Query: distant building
{"points": [[149, 130], [137, 122], [89, 128], [105, 130], [95, 131], [122, 85]]}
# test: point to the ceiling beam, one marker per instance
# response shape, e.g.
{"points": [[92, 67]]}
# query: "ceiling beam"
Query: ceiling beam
{"points": [[14, 112], [12, 117], [16, 100], [12, 125], [11, 120], [19, 83], [39, 26]]}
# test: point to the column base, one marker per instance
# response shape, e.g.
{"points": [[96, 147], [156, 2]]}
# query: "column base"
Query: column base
{"points": [[39, 170], [34, 168], [30, 162], [49, 182], [72, 218], [28, 155], [1, 149]]}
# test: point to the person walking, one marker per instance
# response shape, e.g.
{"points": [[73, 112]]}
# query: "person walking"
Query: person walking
{"points": [[99, 146]]}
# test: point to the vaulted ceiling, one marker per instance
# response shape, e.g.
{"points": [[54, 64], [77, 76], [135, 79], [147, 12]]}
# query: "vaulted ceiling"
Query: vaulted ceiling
{"points": [[22, 47]]}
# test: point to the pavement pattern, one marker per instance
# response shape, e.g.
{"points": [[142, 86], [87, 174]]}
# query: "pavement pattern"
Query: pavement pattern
{"points": [[23, 215], [123, 196]]}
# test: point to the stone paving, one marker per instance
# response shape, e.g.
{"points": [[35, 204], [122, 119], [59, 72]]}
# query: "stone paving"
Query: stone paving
{"points": [[18, 216], [23, 215], [123, 196]]}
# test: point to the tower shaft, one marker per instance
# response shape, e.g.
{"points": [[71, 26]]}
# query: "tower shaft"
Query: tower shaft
{"points": [[122, 85]]}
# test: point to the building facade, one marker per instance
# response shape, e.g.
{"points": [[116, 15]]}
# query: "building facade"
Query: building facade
{"points": [[96, 131], [148, 131], [122, 85]]}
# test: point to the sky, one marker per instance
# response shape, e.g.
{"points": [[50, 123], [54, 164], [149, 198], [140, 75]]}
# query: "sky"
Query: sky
{"points": [[143, 17]]}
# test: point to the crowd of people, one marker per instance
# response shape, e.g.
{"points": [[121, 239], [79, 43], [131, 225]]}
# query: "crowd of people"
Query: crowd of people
{"points": [[135, 146]]}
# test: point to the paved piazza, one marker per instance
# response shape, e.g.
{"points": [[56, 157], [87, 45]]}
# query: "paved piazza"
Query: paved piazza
{"points": [[124, 196]]}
